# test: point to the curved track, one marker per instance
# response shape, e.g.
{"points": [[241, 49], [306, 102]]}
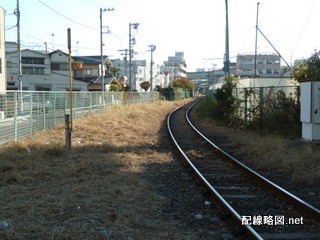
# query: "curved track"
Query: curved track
{"points": [[255, 207]]}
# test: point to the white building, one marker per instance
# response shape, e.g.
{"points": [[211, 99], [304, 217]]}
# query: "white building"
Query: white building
{"points": [[3, 86], [175, 67], [40, 71], [140, 72], [266, 65], [60, 73]]}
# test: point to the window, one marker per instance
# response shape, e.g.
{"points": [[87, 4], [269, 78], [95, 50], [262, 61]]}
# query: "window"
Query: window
{"points": [[276, 71], [30, 60], [39, 88], [276, 61], [88, 72], [59, 66], [92, 72], [260, 61], [260, 71], [30, 70], [269, 71], [269, 61]]}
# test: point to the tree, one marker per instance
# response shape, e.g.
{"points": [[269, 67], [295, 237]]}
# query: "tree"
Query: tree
{"points": [[183, 82], [114, 87], [145, 85], [308, 70], [113, 71], [225, 104]]}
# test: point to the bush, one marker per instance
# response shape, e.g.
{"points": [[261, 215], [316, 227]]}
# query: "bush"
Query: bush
{"points": [[279, 114], [223, 105]]}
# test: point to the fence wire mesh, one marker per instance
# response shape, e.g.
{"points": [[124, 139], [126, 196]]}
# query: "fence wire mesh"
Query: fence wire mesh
{"points": [[22, 113]]}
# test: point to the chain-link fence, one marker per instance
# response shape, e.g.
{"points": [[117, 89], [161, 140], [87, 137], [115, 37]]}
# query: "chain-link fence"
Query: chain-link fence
{"points": [[24, 112]]}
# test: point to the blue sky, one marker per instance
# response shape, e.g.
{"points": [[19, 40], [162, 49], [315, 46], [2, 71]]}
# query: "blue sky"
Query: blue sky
{"points": [[195, 27]]}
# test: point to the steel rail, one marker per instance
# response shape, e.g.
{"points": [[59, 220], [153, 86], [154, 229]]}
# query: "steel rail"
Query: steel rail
{"points": [[287, 196], [245, 230]]}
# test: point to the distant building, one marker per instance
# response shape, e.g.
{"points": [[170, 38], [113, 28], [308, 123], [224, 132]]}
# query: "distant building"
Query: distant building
{"points": [[140, 72], [40, 71], [3, 86], [267, 65], [175, 67]]}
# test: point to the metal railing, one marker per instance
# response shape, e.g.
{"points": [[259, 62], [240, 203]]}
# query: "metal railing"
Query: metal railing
{"points": [[22, 113]]}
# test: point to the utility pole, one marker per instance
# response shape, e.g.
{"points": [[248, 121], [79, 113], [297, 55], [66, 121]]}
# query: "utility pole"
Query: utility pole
{"points": [[101, 46], [132, 42], [17, 13], [152, 49], [226, 56], [125, 60], [256, 46]]}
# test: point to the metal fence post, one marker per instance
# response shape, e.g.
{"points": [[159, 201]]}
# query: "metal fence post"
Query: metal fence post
{"points": [[15, 116], [54, 109], [44, 111], [261, 103], [67, 131], [245, 106], [31, 116]]}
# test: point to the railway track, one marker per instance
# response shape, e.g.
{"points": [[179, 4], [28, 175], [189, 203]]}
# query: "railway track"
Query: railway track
{"points": [[255, 207]]}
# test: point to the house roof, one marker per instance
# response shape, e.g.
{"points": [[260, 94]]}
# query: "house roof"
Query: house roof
{"points": [[95, 80], [58, 51], [107, 80], [90, 59], [28, 50]]}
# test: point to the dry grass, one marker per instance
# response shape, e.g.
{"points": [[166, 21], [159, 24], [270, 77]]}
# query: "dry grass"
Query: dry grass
{"points": [[293, 156], [95, 190]]}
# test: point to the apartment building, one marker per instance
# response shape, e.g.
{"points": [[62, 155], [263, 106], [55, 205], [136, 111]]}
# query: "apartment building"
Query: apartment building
{"points": [[175, 67], [267, 65], [140, 72]]}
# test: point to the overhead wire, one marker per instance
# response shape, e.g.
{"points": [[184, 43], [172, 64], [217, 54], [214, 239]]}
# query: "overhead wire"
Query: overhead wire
{"points": [[304, 26], [80, 24]]}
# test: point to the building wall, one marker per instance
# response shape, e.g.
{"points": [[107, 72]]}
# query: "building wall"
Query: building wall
{"points": [[268, 65], [3, 85], [265, 82], [37, 72], [175, 66], [140, 72]]}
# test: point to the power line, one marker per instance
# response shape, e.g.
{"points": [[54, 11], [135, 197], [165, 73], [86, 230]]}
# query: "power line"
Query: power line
{"points": [[303, 28], [67, 17]]}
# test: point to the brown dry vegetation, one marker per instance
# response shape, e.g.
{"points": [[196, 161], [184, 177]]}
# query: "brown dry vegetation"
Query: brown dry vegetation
{"points": [[300, 160], [97, 190], [109, 185]]}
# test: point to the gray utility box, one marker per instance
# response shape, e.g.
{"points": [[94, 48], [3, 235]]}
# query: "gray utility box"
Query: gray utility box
{"points": [[310, 110]]}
